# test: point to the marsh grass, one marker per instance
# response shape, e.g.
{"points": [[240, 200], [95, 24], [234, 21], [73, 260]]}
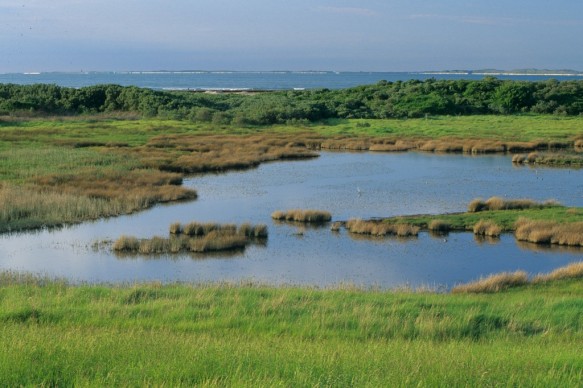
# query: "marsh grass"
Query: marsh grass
{"points": [[493, 283], [498, 203], [439, 226], [212, 242], [487, 228], [194, 229], [217, 241], [195, 237], [300, 215], [549, 159], [549, 232], [571, 271], [379, 229]]}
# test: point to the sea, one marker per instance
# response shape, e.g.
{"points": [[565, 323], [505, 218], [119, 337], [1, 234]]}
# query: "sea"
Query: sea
{"points": [[249, 80]]}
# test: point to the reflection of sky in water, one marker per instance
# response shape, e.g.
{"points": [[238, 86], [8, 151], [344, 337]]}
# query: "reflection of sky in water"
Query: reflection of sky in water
{"points": [[348, 185]]}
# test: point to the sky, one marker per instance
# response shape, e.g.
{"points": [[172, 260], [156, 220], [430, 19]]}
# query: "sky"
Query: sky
{"points": [[350, 35]]}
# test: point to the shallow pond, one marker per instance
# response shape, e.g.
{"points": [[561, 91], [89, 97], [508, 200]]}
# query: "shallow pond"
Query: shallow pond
{"points": [[349, 185]]}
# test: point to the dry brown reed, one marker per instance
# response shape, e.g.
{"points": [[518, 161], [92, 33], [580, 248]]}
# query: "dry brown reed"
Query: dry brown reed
{"points": [[145, 186], [176, 228], [217, 241], [299, 215], [439, 226], [126, 244], [203, 153], [256, 231], [197, 229], [487, 228], [493, 283], [378, 228], [212, 242], [497, 203], [549, 232], [33, 207], [571, 271], [551, 159]]}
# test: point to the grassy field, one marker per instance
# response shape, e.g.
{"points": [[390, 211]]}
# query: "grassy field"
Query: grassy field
{"points": [[55, 334], [67, 170]]}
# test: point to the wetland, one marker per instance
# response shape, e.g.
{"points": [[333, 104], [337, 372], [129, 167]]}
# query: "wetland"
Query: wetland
{"points": [[348, 185]]}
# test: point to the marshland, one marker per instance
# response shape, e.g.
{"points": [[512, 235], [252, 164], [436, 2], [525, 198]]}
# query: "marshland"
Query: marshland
{"points": [[418, 206]]}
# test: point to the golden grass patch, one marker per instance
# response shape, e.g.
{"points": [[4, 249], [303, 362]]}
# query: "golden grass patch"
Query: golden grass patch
{"points": [[300, 215], [379, 228], [493, 283]]}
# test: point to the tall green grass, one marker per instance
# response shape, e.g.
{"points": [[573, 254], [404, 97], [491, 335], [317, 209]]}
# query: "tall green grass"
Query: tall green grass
{"points": [[55, 334]]}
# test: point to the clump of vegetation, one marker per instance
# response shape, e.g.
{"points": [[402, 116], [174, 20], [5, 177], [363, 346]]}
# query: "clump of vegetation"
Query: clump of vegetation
{"points": [[549, 232], [195, 229], [550, 159], [494, 283], [379, 228], [487, 228], [126, 244], [218, 241], [195, 237], [257, 231], [571, 271], [497, 203], [439, 226], [299, 215]]}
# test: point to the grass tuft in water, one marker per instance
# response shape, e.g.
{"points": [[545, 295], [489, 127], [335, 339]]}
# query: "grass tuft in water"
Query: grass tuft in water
{"points": [[487, 228], [378, 228], [299, 215]]}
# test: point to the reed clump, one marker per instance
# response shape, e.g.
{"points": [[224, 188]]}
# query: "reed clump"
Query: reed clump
{"points": [[549, 159], [487, 228], [439, 226], [299, 215], [197, 229], [549, 232], [213, 242], [218, 241], [571, 271], [375, 228], [493, 283], [126, 244], [497, 203]]}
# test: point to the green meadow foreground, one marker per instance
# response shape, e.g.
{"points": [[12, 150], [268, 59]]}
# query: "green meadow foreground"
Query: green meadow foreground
{"points": [[55, 334]]}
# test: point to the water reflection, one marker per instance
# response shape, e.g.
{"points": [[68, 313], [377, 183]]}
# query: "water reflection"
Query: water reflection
{"points": [[481, 240]]}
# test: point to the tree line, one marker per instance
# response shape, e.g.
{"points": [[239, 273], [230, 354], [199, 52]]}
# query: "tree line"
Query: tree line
{"points": [[384, 99]]}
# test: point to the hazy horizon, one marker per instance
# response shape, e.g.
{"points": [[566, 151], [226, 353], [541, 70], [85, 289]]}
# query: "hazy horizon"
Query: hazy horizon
{"points": [[261, 35]]}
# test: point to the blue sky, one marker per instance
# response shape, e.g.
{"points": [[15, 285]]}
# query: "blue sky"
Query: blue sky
{"points": [[366, 35]]}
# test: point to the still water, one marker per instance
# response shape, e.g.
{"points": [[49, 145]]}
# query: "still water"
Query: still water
{"points": [[348, 185], [226, 80]]}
